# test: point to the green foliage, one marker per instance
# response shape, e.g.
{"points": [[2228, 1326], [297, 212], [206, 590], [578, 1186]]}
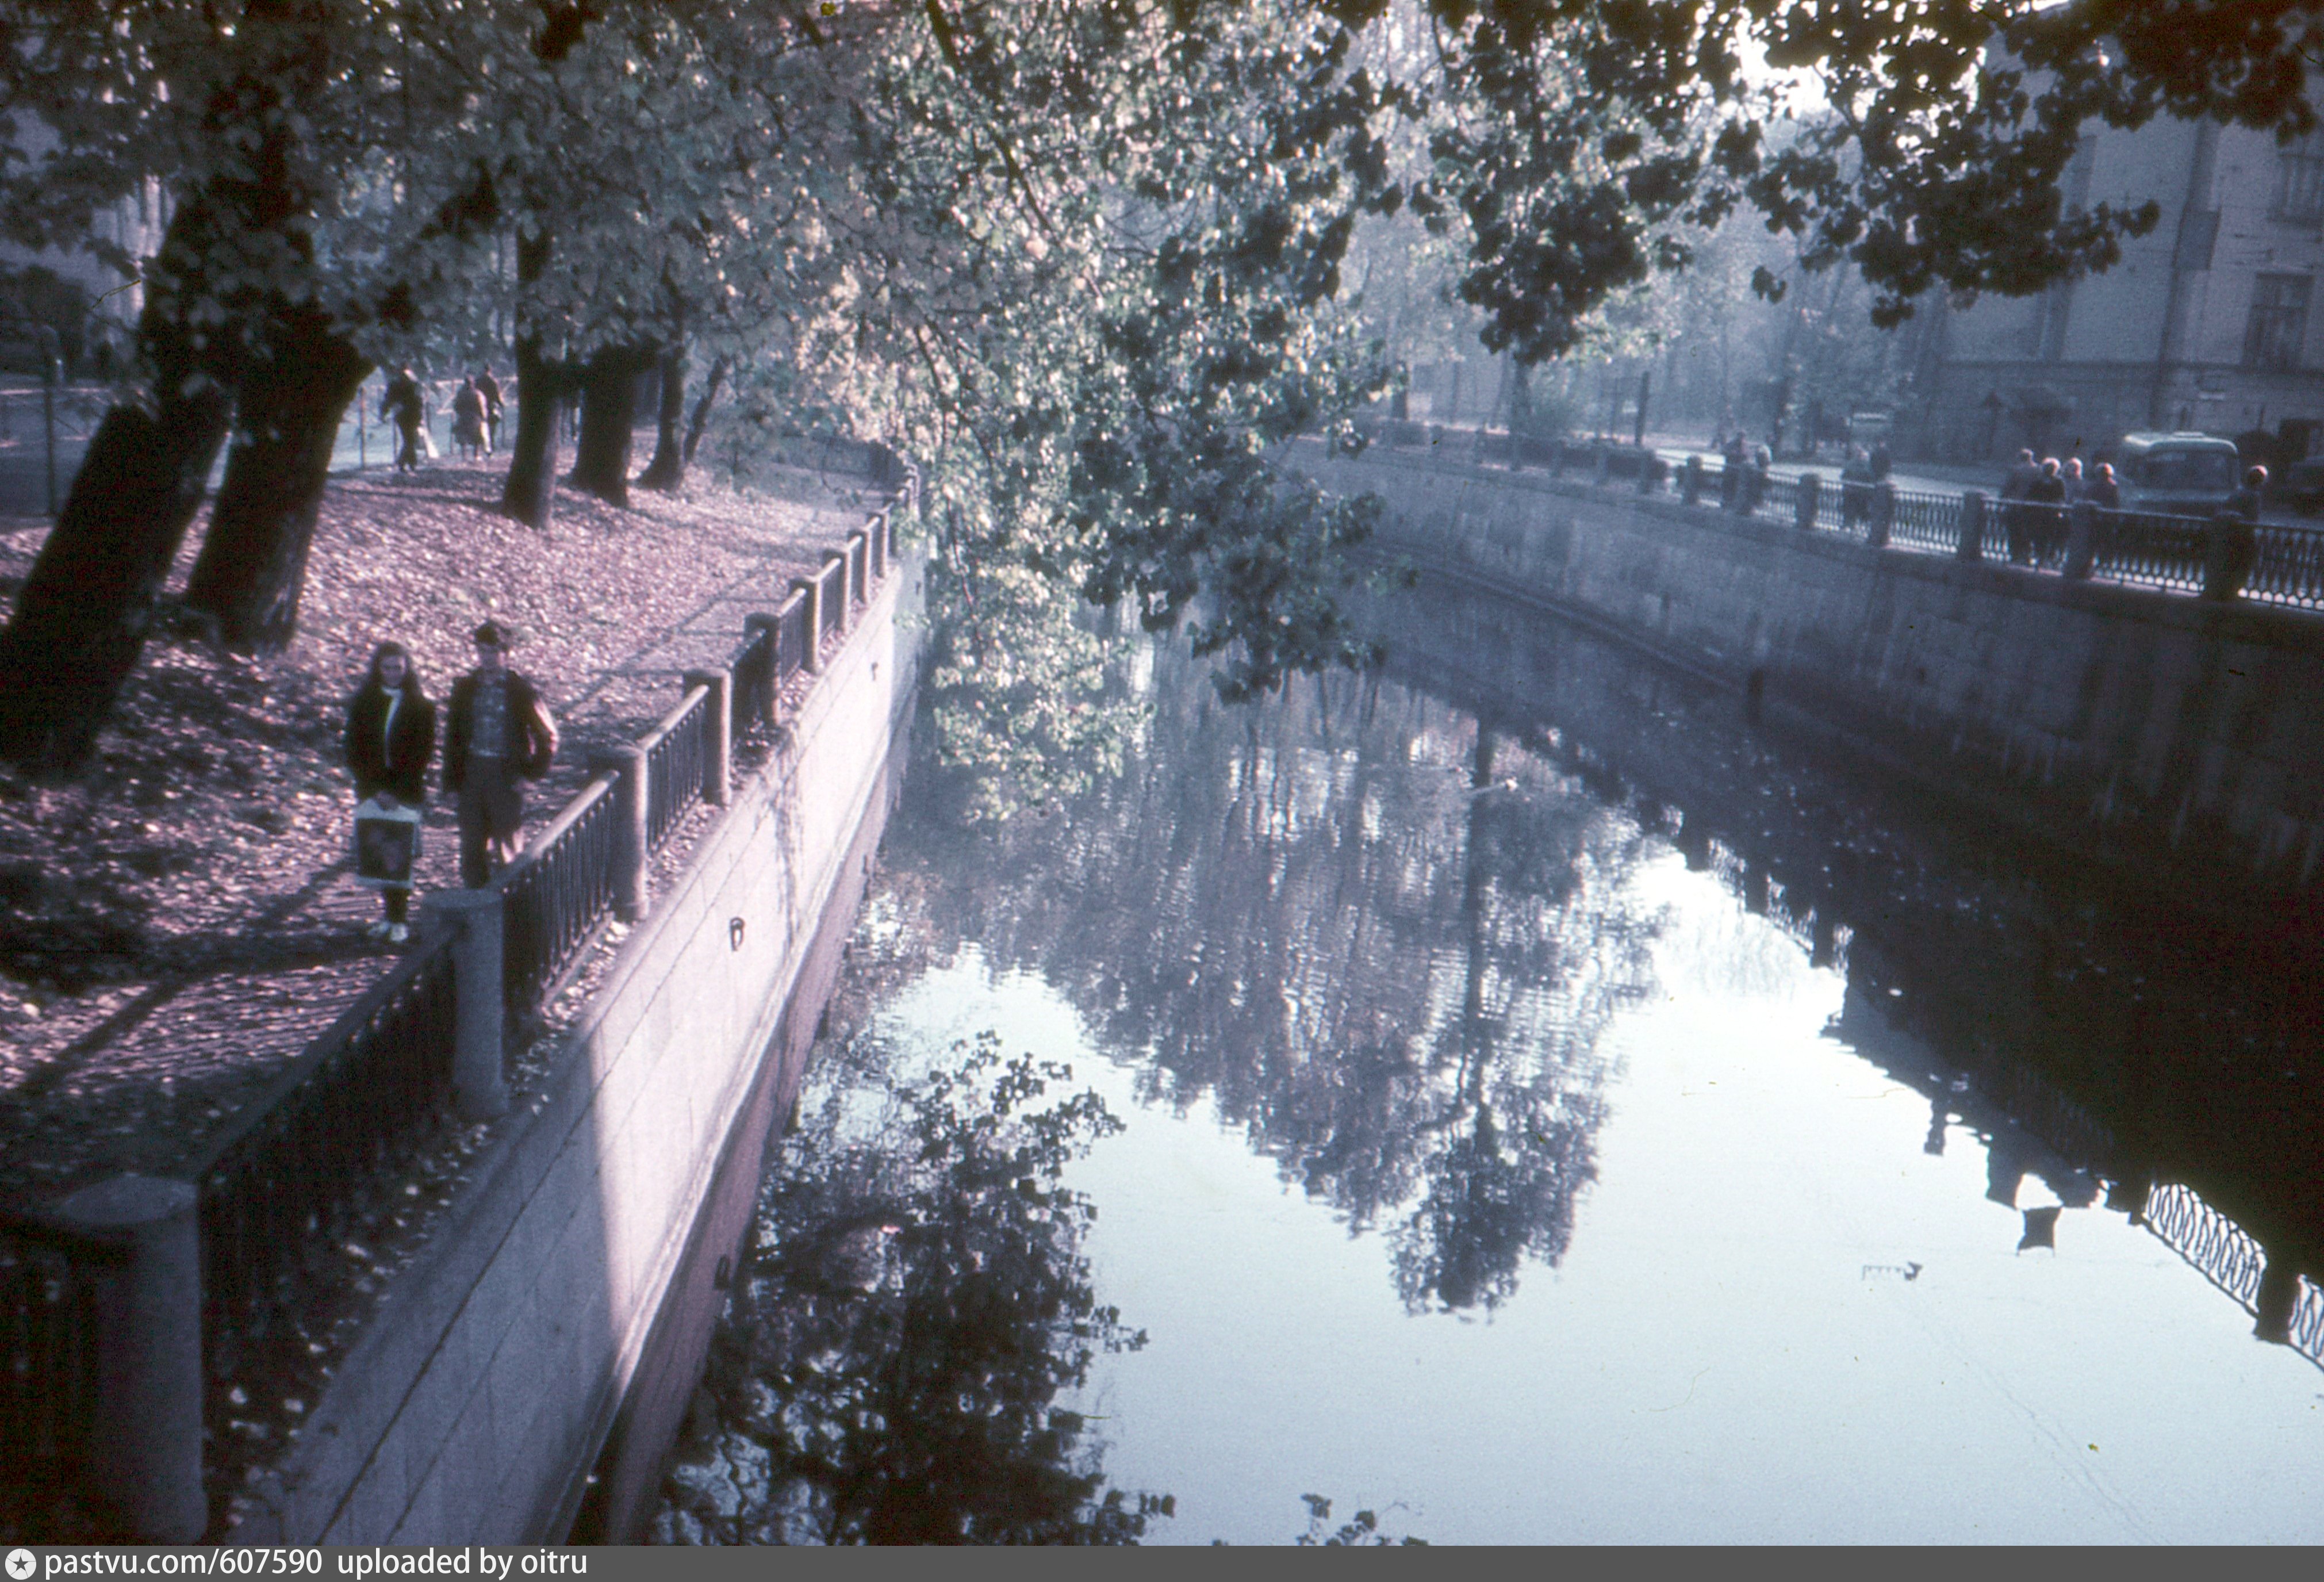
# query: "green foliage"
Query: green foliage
{"points": [[1090, 263], [889, 1368], [1360, 1532]]}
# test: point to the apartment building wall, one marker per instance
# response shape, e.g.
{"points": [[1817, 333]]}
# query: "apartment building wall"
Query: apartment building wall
{"points": [[2209, 321]]}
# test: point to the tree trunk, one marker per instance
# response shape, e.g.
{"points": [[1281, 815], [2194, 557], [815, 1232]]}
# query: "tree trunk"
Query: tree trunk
{"points": [[668, 468], [253, 563], [532, 456], [609, 412], [701, 419], [81, 619]]}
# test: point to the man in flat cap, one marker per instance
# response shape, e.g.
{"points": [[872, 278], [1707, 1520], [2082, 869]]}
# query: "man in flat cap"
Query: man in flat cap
{"points": [[501, 736]]}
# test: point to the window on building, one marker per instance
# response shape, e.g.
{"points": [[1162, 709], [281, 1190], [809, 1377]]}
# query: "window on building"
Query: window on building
{"points": [[2299, 181], [2279, 321]]}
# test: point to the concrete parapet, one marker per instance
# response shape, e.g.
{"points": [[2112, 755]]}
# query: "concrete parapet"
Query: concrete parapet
{"points": [[718, 735], [633, 895], [2156, 729], [474, 917], [147, 1436]]}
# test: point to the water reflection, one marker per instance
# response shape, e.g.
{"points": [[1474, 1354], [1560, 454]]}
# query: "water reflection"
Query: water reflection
{"points": [[891, 1364], [1380, 936], [1794, 1141]]}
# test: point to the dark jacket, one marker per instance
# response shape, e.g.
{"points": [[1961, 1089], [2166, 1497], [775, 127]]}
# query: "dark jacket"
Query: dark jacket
{"points": [[526, 713], [402, 400], [394, 761]]}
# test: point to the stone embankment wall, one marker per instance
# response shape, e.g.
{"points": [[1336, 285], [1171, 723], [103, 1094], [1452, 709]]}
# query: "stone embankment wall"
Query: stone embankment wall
{"points": [[481, 1397], [2146, 726]]}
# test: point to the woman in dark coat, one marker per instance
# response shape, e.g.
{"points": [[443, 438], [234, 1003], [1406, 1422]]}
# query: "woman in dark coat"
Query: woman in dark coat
{"points": [[391, 740]]}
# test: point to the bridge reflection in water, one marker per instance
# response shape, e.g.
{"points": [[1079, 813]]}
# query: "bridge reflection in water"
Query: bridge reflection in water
{"points": [[1387, 934]]}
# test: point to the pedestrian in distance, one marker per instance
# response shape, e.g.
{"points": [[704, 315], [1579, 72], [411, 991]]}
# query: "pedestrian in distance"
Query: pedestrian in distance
{"points": [[468, 435], [1754, 482], [501, 736], [2046, 511], [2013, 516], [1881, 461], [2070, 469], [490, 389], [2102, 491], [390, 739], [2245, 502], [403, 405], [2235, 538], [1854, 489]]}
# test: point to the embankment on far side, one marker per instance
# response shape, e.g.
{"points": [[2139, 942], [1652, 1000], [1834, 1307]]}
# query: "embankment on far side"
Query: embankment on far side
{"points": [[551, 1313], [2138, 726]]}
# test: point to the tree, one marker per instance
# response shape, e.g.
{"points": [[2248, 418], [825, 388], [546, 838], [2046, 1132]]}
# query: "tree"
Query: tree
{"points": [[1092, 263], [916, 1302], [82, 618]]}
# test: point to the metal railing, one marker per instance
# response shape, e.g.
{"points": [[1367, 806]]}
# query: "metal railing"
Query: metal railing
{"points": [[794, 640], [553, 898], [831, 602], [750, 697], [2281, 565], [2289, 566], [295, 1174], [1923, 521], [674, 756], [285, 1183], [2227, 1256], [2159, 552]]}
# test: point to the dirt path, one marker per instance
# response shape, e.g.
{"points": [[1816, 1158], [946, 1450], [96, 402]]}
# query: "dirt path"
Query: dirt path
{"points": [[180, 922]]}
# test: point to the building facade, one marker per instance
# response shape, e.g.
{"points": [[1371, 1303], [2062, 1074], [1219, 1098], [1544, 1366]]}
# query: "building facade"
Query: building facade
{"points": [[79, 294], [2208, 322]]}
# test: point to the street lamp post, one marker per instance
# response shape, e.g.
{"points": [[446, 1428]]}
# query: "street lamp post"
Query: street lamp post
{"points": [[51, 373]]}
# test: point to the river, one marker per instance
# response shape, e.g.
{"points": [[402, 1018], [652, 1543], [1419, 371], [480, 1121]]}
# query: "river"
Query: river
{"points": [[1544, 1107]]}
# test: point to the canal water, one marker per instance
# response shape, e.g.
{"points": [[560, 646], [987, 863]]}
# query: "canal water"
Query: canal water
{"points": [[1514, 1098]]}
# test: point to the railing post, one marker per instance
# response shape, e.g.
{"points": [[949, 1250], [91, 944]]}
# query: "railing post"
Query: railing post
{"points": [[769, 629], [1971, 546], [1689, 487], [2233, 545], [2081, 539], [838, 559], [2278, 1297], [876, 538], [859, 568], [627, 764], [1883, 520], [718, 744], [145, 1446], [811, 588], [1807, 494], [476, 920]]}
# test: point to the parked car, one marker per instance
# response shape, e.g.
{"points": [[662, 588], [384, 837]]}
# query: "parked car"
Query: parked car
{"points": [[2176, 475], [2302, 486]]}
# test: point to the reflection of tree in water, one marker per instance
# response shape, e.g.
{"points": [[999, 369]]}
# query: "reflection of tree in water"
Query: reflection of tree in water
{"points": [[888, 1370], [1383, 940]]}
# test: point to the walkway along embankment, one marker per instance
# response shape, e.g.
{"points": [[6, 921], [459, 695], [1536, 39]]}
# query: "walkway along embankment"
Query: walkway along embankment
{"points": [[482, 1397], [2137, 724], [555, 1297]]}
